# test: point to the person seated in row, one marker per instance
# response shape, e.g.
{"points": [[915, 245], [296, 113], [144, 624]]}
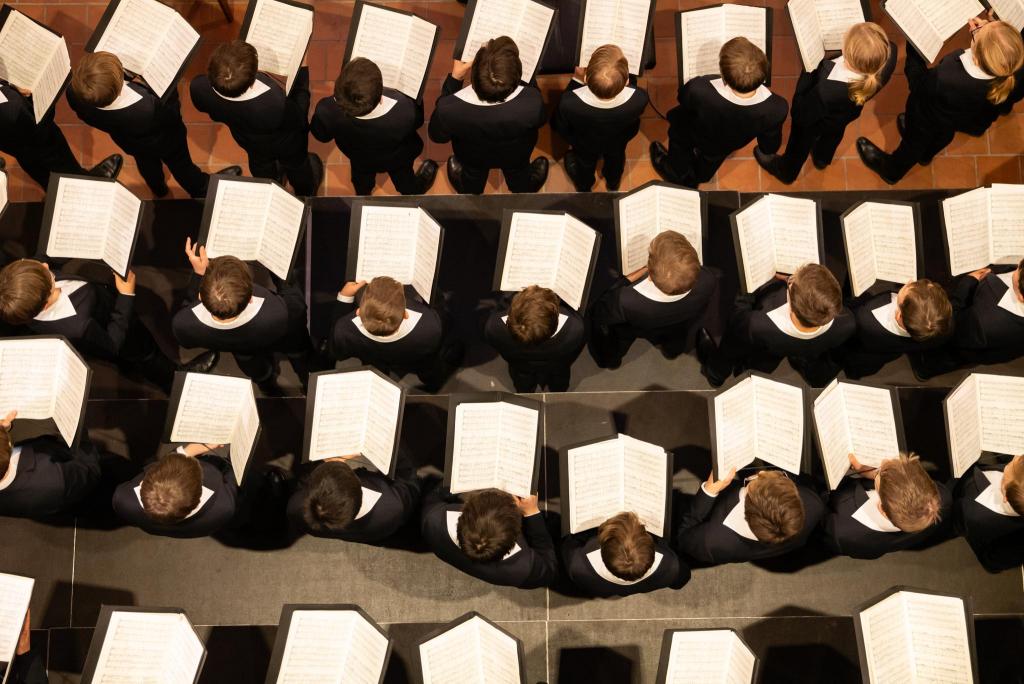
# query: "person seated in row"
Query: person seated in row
{"points": [[889, 508], [989, 311], [492, 536], [98, 320], [538, 336], [664, 302], [598, 114], [989, 512], [491, 123], [376, 128], [621, 558], [803, 320], [139, 121]]}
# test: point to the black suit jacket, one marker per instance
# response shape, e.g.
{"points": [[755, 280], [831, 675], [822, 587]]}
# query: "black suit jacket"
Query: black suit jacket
{"points": [[535, 565], [704, 537], [376, 144], [498, 136], [623, 306], [136, 129], [100, 324], [575, 547], [848, 537], [596, 130], [997, 540], [824, 105], [261, 334], [51, 477], [982, 327], [19, 132], [556, 352], [212, 517]]}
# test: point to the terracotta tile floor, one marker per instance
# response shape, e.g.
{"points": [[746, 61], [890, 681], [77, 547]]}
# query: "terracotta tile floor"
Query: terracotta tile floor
{"points": [[995, 157]]}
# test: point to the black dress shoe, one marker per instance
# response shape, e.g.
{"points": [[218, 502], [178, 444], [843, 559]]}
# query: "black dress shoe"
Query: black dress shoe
{"points": [[425, 176], [659, 160], [901, 124], [454, 168], [204, 363], [538, 173], [230, 171], [572, 169], [875, 159], [706, 346], [820, 165], [109, 167], [160, 192], [770, 163], [612, 184]]}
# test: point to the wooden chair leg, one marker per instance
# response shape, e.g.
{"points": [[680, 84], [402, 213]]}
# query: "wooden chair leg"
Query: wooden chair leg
{"points": [[229, 15]]}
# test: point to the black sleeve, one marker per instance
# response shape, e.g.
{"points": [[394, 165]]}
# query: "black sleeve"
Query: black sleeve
{"points": [[544, 569], [437, 129], [700, 508], [107, 342], [963, 293], [192, 292], [317, 125], [607, 311], [916, 69], [299, 97], [407, 486], [292, 294], [770, 141]]}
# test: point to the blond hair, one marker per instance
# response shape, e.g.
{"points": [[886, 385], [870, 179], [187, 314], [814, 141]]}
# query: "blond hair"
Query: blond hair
{"points": [[866, 51], [1000, 53], [607, 72], [908, 495]]}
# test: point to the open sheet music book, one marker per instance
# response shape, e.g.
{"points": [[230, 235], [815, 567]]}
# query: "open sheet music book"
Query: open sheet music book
{"points": [[983, 413], [624, 23], [640, 215], [400, 43], [705, 655], [472, 649], [493, 441], [1010, 11], [33, 57], [328, 643], [701, 33], [776, 234], [915, 636], [15, 596], [883, 242], [550, 249], [403, 242], [253, 219], [215, 409], [607, 477], [149, 38], [819, 26], [354, 412], [758, 419], [984, 226], [91, 218], [527, 22], [144, 645], [44, 378], [280, 31], [928, 24], [851, 417]]}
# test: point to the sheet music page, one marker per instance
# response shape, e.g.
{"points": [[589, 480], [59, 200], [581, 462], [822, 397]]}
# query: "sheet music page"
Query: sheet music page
{"points": [[28, 377], [834, 439], [1010, 11], [700, 656], [476, 446], [48, 85], [574, 261], [531, 257], [491, 19], [779, 411], [1002, 418], [428, 241], [32, 57], [317, 646], [895, 242], [124, 219], [15, 596], [280, 34], [963, 418], [135, 29], [171, 53], [382, 412], [453, 656], [872, 423], [367, 656], [746, 21], [240, 211], [794, 232], [701, 36], [638, 224], [416, 58], [70, 385], [517, 453], [388, 243], [742, 663], [860, 249], [499, 655], [81, 218], [735, 427], [810, 40], [949, 16], [596, 483], [209, 408], [967, 231], [645, 482], [679, 210], [281, 232], [914, 21], [1006, 213], [616, 22], [340, 411], [756, 244], [533, 30], [247, 426], [887, 640], [382, 37], [835, 17], [938, 638], [140, 647]]}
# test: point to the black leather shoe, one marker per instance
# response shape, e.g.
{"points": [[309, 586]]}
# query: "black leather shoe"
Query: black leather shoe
{"points": [[875, 159], [769, 162], [612, 184], [538, 173], [230, 171], [454, 168], [109, 167], [204, 363], [901, 125], [818, 164], [659, 160], [160, 192], [572, 169], [425, 176], [318, 172], [706, 346]]}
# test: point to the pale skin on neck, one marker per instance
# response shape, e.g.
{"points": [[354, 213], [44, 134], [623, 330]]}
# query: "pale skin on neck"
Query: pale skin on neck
{"points": [[1013, 469]]}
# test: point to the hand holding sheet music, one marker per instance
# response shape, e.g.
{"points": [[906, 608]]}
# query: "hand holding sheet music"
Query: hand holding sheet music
{"points": [[33, 58], [401, 242], [527, 22], [643, 214], [616, 22], [758, 419], [776, 234], [702, 33], [399, 43], [494, 444], [984, 226], [982, 414], [928, 24], [280, 32], [819, 26]]}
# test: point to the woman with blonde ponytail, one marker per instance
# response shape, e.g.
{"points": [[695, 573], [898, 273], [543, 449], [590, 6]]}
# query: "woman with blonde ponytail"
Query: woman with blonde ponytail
{"points": [[831, 97], [966, 92]]}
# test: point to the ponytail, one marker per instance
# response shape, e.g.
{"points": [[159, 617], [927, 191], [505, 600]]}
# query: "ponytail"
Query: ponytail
{"points": [[866, 49], [999, 52], [1001, 88], [864, 88]]}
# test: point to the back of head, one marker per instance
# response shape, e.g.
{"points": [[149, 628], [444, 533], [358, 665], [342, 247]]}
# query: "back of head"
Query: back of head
{"points": [[226, 288], [333, 497], [382, 306], [25, 285], [908, 495], [1020, 277], [926, 311], [359, 88], [497, 69], [233, 68], [774, 510], [626, 547], [1013, 486], [533, 315], [6, 447], [866, 51], [489, 525], [98, 79], [743, 65], [999, 49], [171, 488], [672, 263], [607, 72], [815, 296]]}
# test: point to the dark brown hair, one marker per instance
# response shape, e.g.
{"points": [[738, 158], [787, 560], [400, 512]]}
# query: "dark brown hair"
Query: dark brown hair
{"points": [[171, 488], [908, 495], [233, 68], [359, 88], [333, 497], [25, 286], [815, 296], [627, 549], [98, 78], [226, 288], [1014, 488], [497, 69], [382, 306], [672, 263], [533, 315], [607, 72], [489, 525], [743, 65], [926, 312], [773, 508], [1020, 277]]}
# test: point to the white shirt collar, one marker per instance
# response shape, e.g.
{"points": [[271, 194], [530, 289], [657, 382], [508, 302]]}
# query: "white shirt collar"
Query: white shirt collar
{"points": [[589, 98], [452, 521], [370, 499], [126, 98], [596, 562], [3, 98], [737, 518], [871, 517], [886, 317], [1009, 301], [760, 95], [469, 95], [249, 313], [382, 108], [647, 288], [62, 308], [12, 469], [972, 69], [562, 318], [257, 88], [404, 328], [991, 497], [784, 322], [204, 496], [842, 73]]}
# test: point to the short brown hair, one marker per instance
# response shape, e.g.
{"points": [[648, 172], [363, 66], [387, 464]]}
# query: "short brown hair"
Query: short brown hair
{"points": [[672, 263], [1014, 488], [815, 296], [226, 288], [627, 549], [489, 525], [926, 312], [233, 68], [533, 314], [382, 306], [743, 65], [908, 495], [333, 497], [1020, 279], [171, 488], [6, 447], [607, 72], [497, 69], [774, 510], [25, 286], [98, 78], [359, 87]]}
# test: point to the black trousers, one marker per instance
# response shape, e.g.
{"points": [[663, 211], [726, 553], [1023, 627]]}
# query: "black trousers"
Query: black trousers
{"points": [[364, 178], [527, 378], [296, 166], [919, 147], [614, 164], [518, 178], [692, 165], [805, 141], [141, 354], [48, 152], [173, 151]]}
